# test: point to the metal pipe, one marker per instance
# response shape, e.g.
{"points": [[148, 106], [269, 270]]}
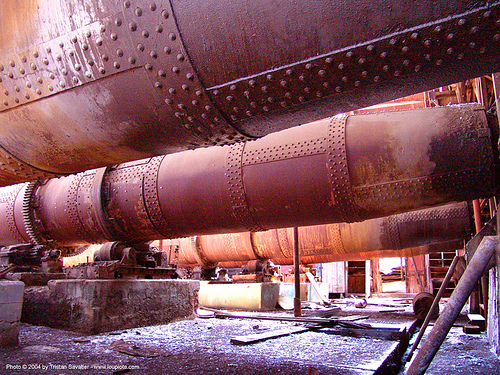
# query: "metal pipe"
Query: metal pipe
{"points": [[297, 311], [324, 172], [334, 242], [434, 306], [468, 281], [106, 81]]}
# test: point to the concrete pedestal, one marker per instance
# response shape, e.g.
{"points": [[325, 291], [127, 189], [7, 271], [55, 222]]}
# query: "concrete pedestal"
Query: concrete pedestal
{"points": [[245, 296], [93, 306], [11, 303]]}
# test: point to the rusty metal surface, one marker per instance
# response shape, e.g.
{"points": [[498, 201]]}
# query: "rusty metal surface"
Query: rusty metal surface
{"points": [[87, 83], [284, 179], [326, 243]]}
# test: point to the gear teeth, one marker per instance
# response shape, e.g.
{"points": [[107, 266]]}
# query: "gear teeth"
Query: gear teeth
{"points": [[28, 213]]}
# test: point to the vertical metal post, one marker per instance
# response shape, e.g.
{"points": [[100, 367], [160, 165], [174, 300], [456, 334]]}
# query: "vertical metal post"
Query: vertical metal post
{"points": [[368, 278], [435, 305], [296, 273], [469, 280]]}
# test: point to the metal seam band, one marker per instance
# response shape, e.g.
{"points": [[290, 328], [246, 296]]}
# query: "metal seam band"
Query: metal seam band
{"points": [[151, 199], [338, 173], [393, 230], [236, 189]]}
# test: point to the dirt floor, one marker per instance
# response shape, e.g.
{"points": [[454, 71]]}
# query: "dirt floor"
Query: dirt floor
{"points": [[202, 346]]}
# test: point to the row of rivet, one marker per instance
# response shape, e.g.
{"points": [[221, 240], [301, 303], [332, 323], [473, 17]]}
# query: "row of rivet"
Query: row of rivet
{"points": [[400, 54], [173, 75], [283, 152], [236, 188], [152, 201], [338, 173], [456, 183]]}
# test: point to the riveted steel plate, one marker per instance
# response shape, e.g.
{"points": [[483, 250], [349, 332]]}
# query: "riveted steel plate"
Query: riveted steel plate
{"points": [[418, 50], [283, 152], [151, 200], [8, 197], [338, 173], [236, 188]]}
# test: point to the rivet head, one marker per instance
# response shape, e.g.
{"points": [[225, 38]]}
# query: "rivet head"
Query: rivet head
{"points": [[39, 80], [168, 101], [138, 12], [172, 36], [12, 63], [105, 57], [5, 103], [116, 64], [62, 83], [167, 50], [78, 67], [153, 54], [162, 73], [190, 76], [158, 85], [172, 90], [152, 7], [145, 33], [159, 29], [180, 57], [132, 60], [175, 69], [48, 49], [22, 71], [35, 54], [99, 41], [61, 44], [52, 76], [28, 84], [85, 46], [88, 74], [119, 52], [24, 59], [118, 22], [64, 71], [140, 47], [114, 36], [126, 4], [165, 14], [102, 70], [75, 79], [51, 88], [132, 26]]}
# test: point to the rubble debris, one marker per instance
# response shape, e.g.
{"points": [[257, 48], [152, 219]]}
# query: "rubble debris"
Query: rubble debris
{"points": [[135, 350]]}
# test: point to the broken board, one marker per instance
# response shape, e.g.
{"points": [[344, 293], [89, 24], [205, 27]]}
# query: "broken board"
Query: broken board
{"points": [[252, 339]]}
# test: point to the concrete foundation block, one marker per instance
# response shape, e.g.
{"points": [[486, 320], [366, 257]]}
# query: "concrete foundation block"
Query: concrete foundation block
{"points": [[94, 306], [11, 303], [251, 296]]}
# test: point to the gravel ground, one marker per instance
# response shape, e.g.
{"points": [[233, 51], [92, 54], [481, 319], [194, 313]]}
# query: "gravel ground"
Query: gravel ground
{"points": [[202, 346]]}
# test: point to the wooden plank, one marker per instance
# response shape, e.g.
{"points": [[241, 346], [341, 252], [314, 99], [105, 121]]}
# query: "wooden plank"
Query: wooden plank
{"points": [[258, 337], [387, 333], [311, 320]]}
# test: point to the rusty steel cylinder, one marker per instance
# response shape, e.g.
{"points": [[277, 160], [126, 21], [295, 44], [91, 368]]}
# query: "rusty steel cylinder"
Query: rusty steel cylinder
{"points": [[91, 83], [343, 169], [326, 243]]}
